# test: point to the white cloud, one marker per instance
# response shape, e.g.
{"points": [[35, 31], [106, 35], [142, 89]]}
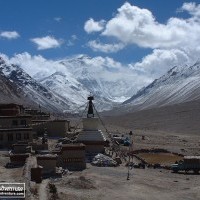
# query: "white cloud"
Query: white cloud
{"points": [[173, 43], [106, 48], [191, 8], [36, 63], [133, 25], [160, 61], [4, 57], [72, 40], [46, 42], [74, 37], [93, 26], [136, 26], [9, 34], [57, 19]]}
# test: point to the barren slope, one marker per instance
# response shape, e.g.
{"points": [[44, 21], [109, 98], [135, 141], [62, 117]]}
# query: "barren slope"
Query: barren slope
{"points": [[179, 118]]}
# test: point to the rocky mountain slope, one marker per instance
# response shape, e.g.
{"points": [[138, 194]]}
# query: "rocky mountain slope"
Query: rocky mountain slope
{"points": [[178, 85], [58, 93], [8, 91], [29, 91]]}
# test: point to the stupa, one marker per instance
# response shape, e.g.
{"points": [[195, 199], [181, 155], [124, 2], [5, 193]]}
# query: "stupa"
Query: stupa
{"points": [[91, 136]]}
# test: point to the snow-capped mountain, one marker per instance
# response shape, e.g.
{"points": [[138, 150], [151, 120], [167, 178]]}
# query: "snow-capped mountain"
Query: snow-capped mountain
{"points": [[75, 78], [178, 85], [102, 77], [32, 92], [59, 92], [67, 87], [73, 91]]}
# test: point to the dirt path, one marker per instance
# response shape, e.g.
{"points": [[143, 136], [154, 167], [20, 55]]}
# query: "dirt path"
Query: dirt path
{"points": [[11, 174], [42, 190]]}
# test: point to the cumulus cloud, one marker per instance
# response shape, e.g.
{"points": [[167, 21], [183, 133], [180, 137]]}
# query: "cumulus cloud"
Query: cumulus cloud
{"points": [[133, 25], [36, 64], [160, 61], [137, 26], [191, 8], [99, 63], [46, 42], [106, 48], [93, 26], [175, 42], [9, 34]]}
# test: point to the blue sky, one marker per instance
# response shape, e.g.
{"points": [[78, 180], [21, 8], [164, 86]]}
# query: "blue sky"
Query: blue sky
{"points": [[64, 20]]}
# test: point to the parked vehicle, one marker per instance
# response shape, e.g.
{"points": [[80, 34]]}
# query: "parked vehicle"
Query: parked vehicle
{"points": [[189, 163], [121, 140], [127, 142]]}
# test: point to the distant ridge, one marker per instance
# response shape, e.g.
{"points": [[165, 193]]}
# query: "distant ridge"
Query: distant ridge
{"points": [[180, 84]]}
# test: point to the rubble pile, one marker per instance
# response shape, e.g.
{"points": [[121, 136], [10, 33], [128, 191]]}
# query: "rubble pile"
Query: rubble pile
{"points": [[101, 160]]}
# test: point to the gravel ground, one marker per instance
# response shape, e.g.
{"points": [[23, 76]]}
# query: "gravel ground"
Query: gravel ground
{"points": [[111, 183]]}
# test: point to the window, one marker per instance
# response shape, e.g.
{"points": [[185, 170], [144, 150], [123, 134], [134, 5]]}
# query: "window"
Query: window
{"points": [[10, 137], [18, 136], [26, 136], [23, 122], [1, 136], [14, 122]]}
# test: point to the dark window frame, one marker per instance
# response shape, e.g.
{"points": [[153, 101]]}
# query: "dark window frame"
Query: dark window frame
{"points": [[23, 122], [14, 122], [1, 137], [18, 136], [26, 136], [10, 137]]}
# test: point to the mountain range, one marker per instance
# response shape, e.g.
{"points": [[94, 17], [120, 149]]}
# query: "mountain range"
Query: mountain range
{"points": [[66, 90]]}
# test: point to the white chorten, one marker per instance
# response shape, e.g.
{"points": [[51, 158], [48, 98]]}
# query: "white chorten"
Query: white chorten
{"points": [[91, 136]]}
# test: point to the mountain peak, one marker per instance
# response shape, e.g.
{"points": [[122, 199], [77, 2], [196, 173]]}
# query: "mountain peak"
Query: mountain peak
{"points": [[2, 61]]}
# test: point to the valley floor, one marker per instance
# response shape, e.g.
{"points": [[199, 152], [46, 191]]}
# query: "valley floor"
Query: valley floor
{"points": [[144, 184], [111, 182]]}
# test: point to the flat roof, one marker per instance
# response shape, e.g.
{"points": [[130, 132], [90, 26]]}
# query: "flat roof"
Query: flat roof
{"points": [[76, 146], [47, 157], [73, 144], [47, 120], [191, 157], [15, 129], [16, 116], [10, 104], [21, 144]]}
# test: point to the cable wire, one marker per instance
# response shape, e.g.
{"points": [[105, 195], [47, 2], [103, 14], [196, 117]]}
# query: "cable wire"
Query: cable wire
{"points": [[80, 117]]}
